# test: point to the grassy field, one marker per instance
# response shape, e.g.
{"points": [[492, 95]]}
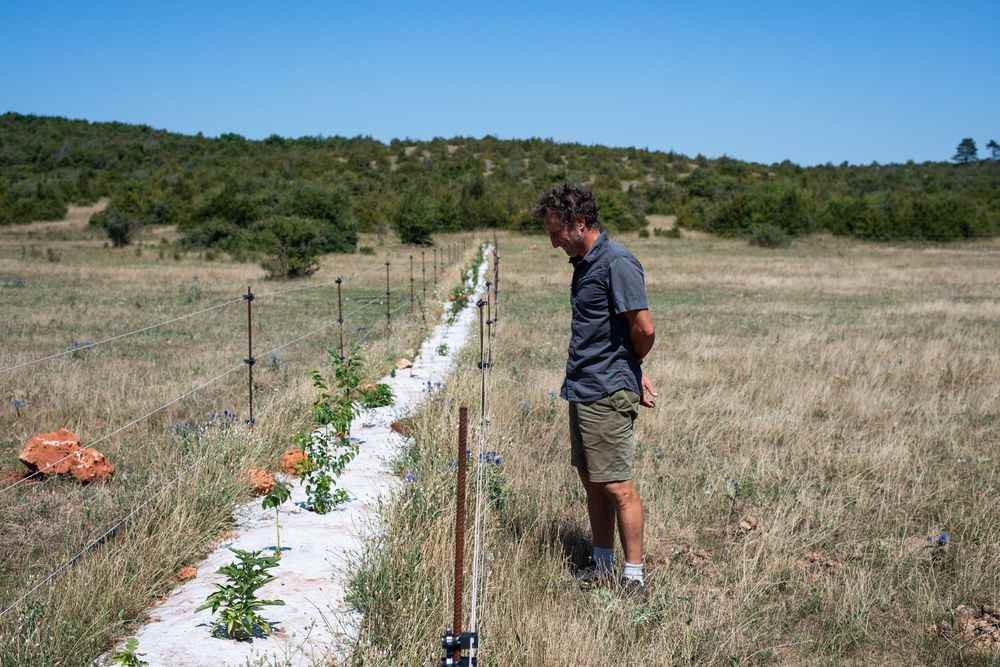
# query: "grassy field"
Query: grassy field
{"points": [[60, 287], [821, 476]]}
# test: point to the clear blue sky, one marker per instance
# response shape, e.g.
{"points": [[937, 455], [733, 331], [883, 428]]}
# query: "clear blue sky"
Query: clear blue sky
{"points": [[808, 81]]}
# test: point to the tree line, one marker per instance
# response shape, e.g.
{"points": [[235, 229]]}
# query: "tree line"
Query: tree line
{"points": [[244, 196]]}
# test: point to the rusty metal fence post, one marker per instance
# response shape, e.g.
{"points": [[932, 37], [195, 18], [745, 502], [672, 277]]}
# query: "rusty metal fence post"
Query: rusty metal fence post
{"points": [[463, 436], [388, 312], [249, 361], [340, 316]]}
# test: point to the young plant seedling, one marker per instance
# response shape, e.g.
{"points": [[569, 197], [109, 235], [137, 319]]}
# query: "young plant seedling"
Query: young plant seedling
{"points": [[128, 656], [278, 495], [236, 601], [378, 396]]}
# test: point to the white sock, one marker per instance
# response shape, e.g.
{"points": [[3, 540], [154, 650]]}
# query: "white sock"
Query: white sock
{"points": [[633, 571], [604, 558]]}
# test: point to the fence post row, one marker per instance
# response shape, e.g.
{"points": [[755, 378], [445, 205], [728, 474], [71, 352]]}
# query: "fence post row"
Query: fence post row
{"points": [[250, 361], [411, 283], [423, 285]]}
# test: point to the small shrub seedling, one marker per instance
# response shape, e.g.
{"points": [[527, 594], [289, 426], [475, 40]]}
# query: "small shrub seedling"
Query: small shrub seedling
{"points": [[328, 447], [442, 350], [378, 396], [278, 495], [128, 657], [239, 617]]}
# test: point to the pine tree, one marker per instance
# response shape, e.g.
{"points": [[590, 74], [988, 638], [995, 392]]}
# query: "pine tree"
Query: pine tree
{"points": [[994, 149], [966, 151]]}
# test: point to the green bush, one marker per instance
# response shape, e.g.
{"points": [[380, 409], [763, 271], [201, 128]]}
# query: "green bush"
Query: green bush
{"points": [[414, 219], [291, 245], [330, 207], [120, 226], [766, 235]]}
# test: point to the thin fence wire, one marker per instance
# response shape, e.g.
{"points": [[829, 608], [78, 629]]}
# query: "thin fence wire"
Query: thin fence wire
{"points": [[163, 323], [67, 563], [129, 424], [126, 334]]}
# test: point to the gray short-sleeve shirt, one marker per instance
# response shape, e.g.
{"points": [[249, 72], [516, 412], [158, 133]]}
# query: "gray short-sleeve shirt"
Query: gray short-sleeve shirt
{"points": [[607, 282]]}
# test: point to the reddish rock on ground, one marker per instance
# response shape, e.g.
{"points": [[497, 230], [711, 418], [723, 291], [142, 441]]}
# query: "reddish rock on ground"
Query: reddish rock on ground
{"points": [[187, 572], [59, 453], [293, 461], [402, 363], [261, 480], [402, 426]]}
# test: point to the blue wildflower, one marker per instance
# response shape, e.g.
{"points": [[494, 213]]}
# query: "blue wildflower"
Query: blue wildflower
{"points": [[410, 477], [17, 404]]}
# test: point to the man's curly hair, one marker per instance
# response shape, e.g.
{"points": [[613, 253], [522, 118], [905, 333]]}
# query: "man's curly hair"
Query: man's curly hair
{"points": [[569, 202]]}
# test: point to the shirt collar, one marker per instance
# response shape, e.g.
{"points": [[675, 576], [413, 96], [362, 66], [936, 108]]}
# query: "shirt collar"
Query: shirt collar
{"points": [[594, 251]]}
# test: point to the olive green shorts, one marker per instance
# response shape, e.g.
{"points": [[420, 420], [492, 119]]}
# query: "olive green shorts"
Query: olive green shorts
{"points": [[601, 436]]}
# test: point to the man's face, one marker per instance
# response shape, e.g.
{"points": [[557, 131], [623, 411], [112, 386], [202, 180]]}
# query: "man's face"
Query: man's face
{"points": [[569, 238]]}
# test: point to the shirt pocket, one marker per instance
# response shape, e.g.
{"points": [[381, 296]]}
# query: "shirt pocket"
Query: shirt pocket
{"points": [[591, 300]]}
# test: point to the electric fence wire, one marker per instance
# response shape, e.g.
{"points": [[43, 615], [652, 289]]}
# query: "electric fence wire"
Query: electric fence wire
{"points": [[110, 339], [487, 384], [157, 325], [69, 562], [173, 401]]}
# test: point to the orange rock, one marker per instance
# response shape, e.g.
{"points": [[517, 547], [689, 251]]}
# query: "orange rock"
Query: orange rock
{"points": [[368, 386], [402, 363], [60, 453], [294, 461], [261, 480], [187, 572], [402, 426]]}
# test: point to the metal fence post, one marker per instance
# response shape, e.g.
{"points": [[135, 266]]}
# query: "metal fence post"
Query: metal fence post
{"points": [[340, 316], [388, 312], [250, 361]]}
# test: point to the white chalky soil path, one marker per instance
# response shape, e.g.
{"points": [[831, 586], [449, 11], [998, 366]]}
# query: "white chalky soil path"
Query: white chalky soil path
{"points": [[315, 626]]}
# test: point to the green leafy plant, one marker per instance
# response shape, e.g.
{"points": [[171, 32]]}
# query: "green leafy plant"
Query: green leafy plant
{"points": [[329, 447], [128, 655], [273, 500], [442, 350], [377, 396], [236, 603]]}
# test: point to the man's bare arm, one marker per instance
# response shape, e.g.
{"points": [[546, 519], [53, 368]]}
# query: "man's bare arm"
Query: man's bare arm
{"points": [[641, 333]]}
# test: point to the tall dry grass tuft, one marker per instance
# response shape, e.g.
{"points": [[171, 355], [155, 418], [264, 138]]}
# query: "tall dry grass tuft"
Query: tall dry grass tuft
{"points": [[821, 476]]}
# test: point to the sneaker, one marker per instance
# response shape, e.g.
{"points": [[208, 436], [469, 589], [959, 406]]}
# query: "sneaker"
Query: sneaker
{"points": [[632, 588], [593, 577]]}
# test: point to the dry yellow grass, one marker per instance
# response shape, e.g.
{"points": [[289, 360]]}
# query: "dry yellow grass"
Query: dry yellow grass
{"points": [[850, 391]]}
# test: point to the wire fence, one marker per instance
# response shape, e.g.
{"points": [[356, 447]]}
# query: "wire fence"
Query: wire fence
{"points": [[360, 306]]}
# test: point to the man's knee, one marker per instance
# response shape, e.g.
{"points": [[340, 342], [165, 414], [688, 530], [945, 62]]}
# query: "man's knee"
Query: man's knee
{"points": [[622, 494]]}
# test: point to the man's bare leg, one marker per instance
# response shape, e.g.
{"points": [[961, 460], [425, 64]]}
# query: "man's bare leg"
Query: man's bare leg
{"points": [[628, 507], [601, 512]]}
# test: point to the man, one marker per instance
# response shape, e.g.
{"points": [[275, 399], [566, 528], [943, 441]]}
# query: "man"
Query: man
{"points": [[612, 332]]}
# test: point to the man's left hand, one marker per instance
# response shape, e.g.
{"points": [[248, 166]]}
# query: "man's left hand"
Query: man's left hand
{"points": [[649, 394]]}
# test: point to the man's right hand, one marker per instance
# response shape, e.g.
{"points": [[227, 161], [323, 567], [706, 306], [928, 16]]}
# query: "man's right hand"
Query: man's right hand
{"points": [[648, 398]]}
